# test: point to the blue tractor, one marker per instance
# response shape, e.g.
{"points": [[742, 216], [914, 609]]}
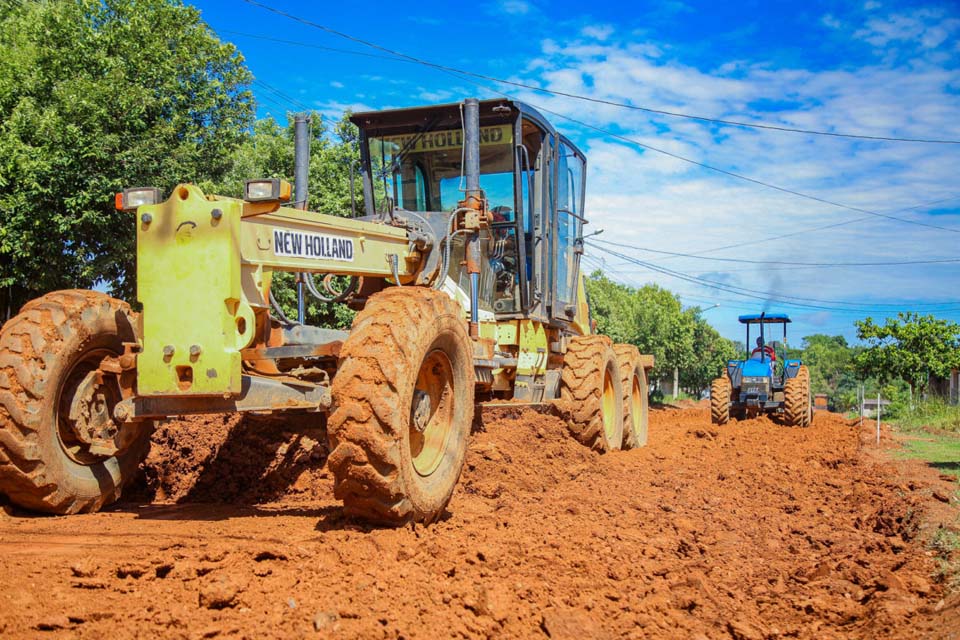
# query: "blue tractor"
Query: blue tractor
{"points": [[766, 382]]}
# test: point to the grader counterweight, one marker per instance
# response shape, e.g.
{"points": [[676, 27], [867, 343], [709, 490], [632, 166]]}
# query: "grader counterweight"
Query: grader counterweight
{"points": [[464, 271]]}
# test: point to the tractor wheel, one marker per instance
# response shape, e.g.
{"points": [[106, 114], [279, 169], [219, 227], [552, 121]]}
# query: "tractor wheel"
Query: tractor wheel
{"points": [[403, 398], [796, 405], [633, 383], [720, 401], [56, 416], [590, 385]]}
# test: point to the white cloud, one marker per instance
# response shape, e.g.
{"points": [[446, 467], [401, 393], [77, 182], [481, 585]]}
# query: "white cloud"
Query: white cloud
{"points": [[514, 7], [597, 31], [336, 85], [831, 22], [650, 200], [928, 28]]}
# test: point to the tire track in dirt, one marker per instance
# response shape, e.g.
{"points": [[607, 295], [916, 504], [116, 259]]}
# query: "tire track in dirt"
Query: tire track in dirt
{"points": [[750, 530]]}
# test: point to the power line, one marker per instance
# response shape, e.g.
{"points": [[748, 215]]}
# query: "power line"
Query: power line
{"points": [[820, 228], [310, 45], [459, 73], [742, 303], [781, 262], [290, 99], [740, 176], [812, 303], [674, 114]]}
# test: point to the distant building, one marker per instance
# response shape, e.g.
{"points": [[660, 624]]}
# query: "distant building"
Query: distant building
{"points": [[947, 388], [870, 406], [821, 402]]}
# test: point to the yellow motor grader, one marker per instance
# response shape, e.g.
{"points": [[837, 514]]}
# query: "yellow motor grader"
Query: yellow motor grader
{"points": [[464, 272]]}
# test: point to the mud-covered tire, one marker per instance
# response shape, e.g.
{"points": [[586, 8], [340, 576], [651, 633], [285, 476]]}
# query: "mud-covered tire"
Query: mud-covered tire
{"points": [[590, 389], [41, 349], [633, 384], [384, 471], [796, 399], [720, 401]]}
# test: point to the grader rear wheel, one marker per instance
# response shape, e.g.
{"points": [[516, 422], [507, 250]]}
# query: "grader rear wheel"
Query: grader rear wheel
{"points": [[61, 451], [403, 398], [720, 401], [633, 383], [590, 385], [796, 405]]}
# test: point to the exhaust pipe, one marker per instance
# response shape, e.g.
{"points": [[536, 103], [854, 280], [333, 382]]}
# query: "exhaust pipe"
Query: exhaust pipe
{"points": [[471, 141], [301, 171], [473, 199], [763, 341]]}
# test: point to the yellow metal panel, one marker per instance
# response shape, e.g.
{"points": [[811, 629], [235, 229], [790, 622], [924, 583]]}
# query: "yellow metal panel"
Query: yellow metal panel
{"points": [[295, 240], [508, 333], [534, 349], [188, 279], [488, 330], [581, 321]]}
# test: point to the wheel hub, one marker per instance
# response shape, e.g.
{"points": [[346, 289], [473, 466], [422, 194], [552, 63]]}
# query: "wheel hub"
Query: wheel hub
{"points": [[421, 410], [431, 413], [89, 416]]}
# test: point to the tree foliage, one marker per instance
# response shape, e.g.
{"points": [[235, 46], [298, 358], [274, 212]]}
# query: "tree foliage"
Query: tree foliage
{"points": [[910, 347], [95, 96], [269, 153], [653, 319], [830, 360], [709, 356]]}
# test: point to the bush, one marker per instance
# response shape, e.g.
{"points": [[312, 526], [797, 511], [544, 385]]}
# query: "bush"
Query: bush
{"points": [[933, 413]]}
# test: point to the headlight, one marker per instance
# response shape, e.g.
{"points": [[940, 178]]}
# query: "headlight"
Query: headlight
{"points": [[754, 380], [266, 190], [130, 199]]}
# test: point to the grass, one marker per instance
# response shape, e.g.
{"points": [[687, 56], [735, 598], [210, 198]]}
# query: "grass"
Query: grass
{"points": [[940, 450], [933, 435], [929, 415], [933, 430], [946, 547]]}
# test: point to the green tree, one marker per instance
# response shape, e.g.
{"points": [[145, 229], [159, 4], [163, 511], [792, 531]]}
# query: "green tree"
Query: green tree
{"points": [[910, 347], [709, 355], [650, 317], [831, 361], [269, 153], [95, 96]]}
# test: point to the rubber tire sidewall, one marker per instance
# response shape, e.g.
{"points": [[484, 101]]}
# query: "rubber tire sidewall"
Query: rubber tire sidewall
{"points": [[720, 390], [77, 487]]}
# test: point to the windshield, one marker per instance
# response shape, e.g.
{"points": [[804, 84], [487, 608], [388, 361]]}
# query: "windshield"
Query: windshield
{"points": [[423, 171]]}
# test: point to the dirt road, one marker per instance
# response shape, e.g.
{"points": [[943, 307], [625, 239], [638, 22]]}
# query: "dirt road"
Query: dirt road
{"points": [[748, 531]]}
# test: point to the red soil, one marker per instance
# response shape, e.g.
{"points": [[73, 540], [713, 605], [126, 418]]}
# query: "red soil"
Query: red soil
{"points": [[753, 530]]}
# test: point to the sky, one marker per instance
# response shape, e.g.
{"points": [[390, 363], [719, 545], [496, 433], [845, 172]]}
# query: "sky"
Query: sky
{"points": [[873, 68]]}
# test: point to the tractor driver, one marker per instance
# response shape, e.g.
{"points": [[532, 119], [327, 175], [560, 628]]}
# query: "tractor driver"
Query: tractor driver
{"points": [[763, 349]]}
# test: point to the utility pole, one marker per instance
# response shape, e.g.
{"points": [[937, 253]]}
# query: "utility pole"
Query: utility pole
{"points": [[862, 392], [878, 419], [301, 173]]}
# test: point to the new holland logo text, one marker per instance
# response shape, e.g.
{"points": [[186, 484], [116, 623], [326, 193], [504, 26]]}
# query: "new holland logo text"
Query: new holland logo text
{"points": [[298, 244]]}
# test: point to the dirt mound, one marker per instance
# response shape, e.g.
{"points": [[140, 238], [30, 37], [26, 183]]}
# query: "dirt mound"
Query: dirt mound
{"points": [[236, 459], [751, 530]]}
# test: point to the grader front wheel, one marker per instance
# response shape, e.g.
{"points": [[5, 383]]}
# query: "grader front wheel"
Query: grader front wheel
{"points": [[403, 398], [590, 386], [633, 382], [60, 449]]}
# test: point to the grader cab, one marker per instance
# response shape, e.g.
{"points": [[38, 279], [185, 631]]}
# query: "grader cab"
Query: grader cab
{"points": [[464, 272]]}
